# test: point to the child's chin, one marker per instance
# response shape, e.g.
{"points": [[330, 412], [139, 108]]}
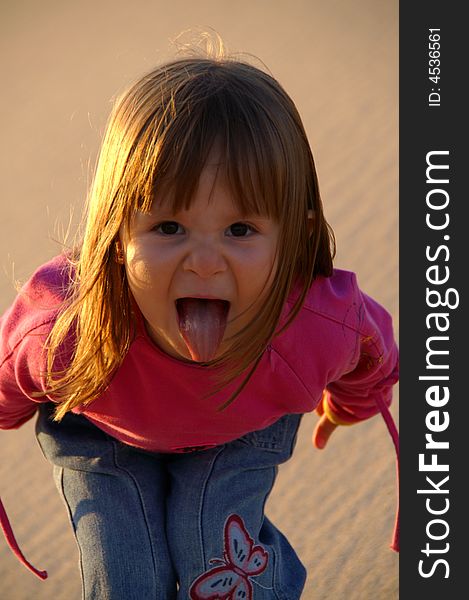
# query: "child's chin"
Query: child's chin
{"points": [[203, 360], [177, 350]]}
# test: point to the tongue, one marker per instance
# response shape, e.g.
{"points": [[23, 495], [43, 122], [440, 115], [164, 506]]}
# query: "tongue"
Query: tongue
{"points": [[202, 324]]}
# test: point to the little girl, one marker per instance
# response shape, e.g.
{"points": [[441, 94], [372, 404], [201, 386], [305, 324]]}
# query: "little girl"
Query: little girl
{"points": [[171, 356]]}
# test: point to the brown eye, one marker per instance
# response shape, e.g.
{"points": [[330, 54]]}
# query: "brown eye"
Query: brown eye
{"points": [[167, 227], [240, 229]]}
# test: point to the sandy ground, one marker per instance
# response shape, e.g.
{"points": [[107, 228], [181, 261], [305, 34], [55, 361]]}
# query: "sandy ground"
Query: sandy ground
{"points": [[62, 63]]}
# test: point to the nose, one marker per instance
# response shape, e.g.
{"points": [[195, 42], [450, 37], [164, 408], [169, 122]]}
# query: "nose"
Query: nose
{"points": [[205, 258]]}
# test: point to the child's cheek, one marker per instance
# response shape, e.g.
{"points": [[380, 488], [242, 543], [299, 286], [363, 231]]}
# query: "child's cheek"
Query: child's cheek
{"points": [[261, 264], [139, 273], [256, 277]]}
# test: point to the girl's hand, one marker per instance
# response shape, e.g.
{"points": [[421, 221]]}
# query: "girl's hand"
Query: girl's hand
{"points": [[324, 428]]}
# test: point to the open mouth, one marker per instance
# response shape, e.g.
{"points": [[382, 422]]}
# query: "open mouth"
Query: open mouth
{"points": [[202, 323]]}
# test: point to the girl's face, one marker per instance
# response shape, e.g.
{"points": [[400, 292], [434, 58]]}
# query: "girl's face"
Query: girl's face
{"points": [[209, 251]]}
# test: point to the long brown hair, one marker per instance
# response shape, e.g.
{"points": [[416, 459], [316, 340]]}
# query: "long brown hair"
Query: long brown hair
{"points": [[158, 136]]}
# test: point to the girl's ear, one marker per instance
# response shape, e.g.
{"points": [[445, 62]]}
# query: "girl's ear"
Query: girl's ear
{"points": [[310, 221], [119, 253]]}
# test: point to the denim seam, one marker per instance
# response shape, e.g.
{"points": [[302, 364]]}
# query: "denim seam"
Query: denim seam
{"points": [[277, 588], [272, 548], [70, 516], [142, 504], [202, 501], [278, 446], [273, 554]]}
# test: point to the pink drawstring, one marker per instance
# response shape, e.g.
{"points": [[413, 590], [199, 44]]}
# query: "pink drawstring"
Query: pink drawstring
{"points": [[7, 530], [395, 438]]}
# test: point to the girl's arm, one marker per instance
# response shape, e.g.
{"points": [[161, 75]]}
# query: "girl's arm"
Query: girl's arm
{"points": [[357, 394], [17, 383], [24, 328]]}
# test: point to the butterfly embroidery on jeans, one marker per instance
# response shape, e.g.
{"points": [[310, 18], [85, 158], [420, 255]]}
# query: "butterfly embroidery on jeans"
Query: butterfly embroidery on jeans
{"points": [[242, 560]]}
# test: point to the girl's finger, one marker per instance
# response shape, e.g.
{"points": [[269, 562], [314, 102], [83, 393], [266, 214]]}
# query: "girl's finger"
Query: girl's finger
{"points": [[322, 432]]}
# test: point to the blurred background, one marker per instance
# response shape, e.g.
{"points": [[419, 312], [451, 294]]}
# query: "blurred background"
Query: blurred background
{"points": [[62, 63]]}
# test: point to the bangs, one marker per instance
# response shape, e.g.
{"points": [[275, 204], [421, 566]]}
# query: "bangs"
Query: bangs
{"points": [[243, 122]]}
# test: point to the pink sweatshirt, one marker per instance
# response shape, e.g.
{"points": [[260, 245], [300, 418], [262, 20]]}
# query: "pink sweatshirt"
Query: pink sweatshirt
{"points": [[341, 340]]}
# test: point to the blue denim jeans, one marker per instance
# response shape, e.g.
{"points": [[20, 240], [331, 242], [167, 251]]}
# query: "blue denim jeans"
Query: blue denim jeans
{"points": [[156, 526]]}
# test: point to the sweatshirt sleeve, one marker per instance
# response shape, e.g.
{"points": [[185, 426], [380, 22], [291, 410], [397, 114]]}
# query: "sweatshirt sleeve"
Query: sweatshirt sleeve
{"points": [[355, 396], [24, 328], [21, 376]]}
